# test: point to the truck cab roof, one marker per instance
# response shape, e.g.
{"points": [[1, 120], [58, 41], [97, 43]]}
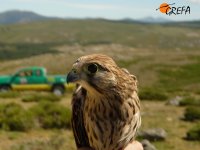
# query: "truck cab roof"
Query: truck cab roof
{"points": [[32, 68]]}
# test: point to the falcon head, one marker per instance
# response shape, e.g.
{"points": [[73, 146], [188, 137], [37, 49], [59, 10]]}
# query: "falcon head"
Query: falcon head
{"points": [[97, 73]]}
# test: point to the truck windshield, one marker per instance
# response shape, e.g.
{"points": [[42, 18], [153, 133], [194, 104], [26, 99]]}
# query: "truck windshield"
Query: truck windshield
{"points": [[25, 73]]}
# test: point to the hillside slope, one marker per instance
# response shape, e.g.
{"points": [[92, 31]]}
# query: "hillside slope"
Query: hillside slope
{"points": [[160, 55], [16, 16], [87, 32]]}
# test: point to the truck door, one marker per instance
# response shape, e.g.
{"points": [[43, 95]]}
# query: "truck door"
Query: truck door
{"points": [[38, 77], [22, 79], [30, 80]]}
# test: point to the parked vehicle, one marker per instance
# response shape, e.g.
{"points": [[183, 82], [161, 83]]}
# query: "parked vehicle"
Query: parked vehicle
{"points": [[34, 78]]}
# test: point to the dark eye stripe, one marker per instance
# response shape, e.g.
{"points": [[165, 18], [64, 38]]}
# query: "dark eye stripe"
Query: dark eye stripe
{"points": [[100, 67]]}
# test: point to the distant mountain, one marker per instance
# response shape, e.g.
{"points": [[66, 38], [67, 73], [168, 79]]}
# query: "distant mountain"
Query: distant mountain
{"points": [[16, 16], [154, 20], [128, 20], [146, 20]]}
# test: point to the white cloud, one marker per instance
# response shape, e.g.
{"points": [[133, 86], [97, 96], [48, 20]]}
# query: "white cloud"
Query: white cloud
{"points": [[24, 1], [71, 4], [91, 6], [194, 1]]}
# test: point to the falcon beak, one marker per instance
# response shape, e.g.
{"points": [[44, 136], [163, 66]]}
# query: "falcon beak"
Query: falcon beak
{"points": [[72, 76]]}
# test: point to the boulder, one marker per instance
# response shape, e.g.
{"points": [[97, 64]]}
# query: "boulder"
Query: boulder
{"points": [[175, 101], [147, 145], [157, 134]]}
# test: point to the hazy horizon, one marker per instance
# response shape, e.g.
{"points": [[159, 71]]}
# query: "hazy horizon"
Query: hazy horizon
{"points": [[112, 9]]}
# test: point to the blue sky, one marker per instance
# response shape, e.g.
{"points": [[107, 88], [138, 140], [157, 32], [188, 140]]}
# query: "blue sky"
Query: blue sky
{"points": [[110, 9]]}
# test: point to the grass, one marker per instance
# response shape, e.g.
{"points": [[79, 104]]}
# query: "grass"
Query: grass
{"points": [[178, 78], [162, 56], [47, 114], [86, 32], [165, 59], [10, 94], [23, 50], [155, 114], [37, 139], [36, 97], [50, 115], [54, 143], [15, 118], [152, 94], [159, 115], [192, 113], [190, 101], [194, 133]]}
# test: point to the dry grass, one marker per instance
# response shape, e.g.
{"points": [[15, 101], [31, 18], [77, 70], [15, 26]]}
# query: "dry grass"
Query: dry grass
{"points": [[141, 62], [144, 50], [155, 114], [36, 139]]}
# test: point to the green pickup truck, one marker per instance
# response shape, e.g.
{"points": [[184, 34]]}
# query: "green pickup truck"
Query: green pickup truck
{"points": [[34, 78]]}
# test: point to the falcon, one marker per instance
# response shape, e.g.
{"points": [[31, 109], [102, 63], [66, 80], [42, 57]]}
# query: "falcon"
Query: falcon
{"points": [[105, 104]]}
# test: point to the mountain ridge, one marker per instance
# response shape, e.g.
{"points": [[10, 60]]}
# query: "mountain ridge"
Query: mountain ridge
{"points": [[18, 16]]}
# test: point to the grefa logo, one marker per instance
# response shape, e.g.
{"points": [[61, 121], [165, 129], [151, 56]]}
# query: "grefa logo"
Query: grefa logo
{"points": [[171, 9]]}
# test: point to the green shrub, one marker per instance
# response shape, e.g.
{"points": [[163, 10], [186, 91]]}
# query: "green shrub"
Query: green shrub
{"points": [[192, 113], [14, 118], [40, 97], [51, 115], [197, 91], [194, 133], [45, 115], [24, 50], [149, 94], [9, 94], [191, 101]]}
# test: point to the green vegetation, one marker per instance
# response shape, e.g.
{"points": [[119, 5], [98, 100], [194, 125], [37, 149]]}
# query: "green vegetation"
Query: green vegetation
{"points": [[165, 59], [23, 50], [152, 94], [86, 32], [37, 97], [55, 142], [14, 118], [9, 94], [192, 113], [177, 78], [127, 63], [168, 53], [51, 115], [194, 133], [190, 101]]}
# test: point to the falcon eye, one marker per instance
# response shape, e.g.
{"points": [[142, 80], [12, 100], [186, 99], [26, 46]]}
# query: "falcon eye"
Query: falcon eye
{"points": [[92, 68]]}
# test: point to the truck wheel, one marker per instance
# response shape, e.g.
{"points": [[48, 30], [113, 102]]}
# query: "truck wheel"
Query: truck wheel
{"points": [[58, 90], [4, 88]]}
